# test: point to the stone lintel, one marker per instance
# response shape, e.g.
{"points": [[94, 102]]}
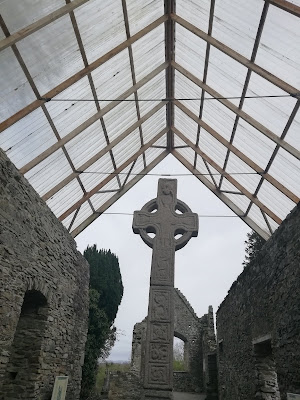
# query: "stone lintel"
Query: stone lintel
{"points": [[262, 339]]}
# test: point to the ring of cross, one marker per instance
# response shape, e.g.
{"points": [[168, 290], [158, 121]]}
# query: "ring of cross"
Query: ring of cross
{"points": [[180, 242]]}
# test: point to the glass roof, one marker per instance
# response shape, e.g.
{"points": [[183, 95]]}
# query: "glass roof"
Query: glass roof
{"points": [[95, 93]]}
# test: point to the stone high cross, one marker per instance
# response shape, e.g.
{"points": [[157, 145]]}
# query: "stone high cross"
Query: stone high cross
{"points": [[159, 216]]}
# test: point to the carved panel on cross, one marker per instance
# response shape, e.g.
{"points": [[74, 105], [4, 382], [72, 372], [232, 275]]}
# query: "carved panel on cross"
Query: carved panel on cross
{"points": [[160, 332], [159, 352], [162, 266], [158, 374], [160, 305]]}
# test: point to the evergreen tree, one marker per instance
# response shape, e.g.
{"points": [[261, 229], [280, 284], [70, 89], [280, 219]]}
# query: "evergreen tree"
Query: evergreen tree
{"points": [[253, 244], [106, 291]]}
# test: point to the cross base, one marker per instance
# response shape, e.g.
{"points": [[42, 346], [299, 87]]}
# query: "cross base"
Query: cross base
{"points": [[150, 394]]}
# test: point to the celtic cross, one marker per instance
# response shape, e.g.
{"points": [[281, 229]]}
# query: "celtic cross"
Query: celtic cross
{"points": [[167, 218]]}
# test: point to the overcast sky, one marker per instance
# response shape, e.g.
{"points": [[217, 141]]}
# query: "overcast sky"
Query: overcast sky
{"points": [[204, 269]]}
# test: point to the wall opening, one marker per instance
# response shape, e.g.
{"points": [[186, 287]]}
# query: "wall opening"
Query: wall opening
{"points": [[266, 376], [23, 369], [180, 354]]}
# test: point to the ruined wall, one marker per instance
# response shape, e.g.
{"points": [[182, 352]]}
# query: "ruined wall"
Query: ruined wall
{"points": [[199, 337], [43, 295], [258, 323]]}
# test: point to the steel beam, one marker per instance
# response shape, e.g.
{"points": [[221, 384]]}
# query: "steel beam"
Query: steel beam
{"points": [[247, 80]]}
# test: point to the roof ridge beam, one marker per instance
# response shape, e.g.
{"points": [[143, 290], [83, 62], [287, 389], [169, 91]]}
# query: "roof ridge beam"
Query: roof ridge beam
{"points": [[233, 181], [90, 121], [286, 6], [80, 74], [236, 56], [105, 181], [170, 73], [120, 193], [221, 195], [101, 153], [41, 23], [238, 153], [246, 117]]}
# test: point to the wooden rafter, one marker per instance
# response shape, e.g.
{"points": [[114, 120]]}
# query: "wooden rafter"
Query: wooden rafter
{"points": [[238, 153], [37, 94], [101, 153], [80, 74], [230, 179], [286, 6], [221, 196], [246, 117], [111, 176], [90, 121], [236, 56], [41, 23], [120, 193]]}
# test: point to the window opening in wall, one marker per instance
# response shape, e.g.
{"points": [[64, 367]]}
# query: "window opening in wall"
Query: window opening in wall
{"points": [[220, 346], [266, 376], [179, 355], [22, 372]]}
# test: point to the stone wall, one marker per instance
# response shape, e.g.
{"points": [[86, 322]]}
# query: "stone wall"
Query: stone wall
{"points": [[258, 323], [43, 295], [199, 337]]}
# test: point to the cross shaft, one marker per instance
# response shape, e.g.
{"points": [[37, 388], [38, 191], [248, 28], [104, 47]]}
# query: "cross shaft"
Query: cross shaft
{"points": [[159, 216]]}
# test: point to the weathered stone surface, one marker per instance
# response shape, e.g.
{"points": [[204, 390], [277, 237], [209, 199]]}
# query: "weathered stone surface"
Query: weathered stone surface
{"points": [[262, 310], [39, 259], [166, 224], [200, 343]]}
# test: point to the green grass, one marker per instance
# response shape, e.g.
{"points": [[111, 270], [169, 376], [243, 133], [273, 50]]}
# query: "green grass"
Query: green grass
{"points": [[178, 365], [123, 367]]}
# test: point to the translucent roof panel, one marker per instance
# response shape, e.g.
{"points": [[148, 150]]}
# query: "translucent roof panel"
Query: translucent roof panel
{"points": [[19, 14], [15, 90], [93, 94], [140, 17], [51, 54], [149, 52], [275, 52], [98, 34], [190, 51], [236, 23]]}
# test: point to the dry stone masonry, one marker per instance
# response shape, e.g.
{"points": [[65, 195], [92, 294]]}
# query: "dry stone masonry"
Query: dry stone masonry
{"points": [[43, 295]]}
